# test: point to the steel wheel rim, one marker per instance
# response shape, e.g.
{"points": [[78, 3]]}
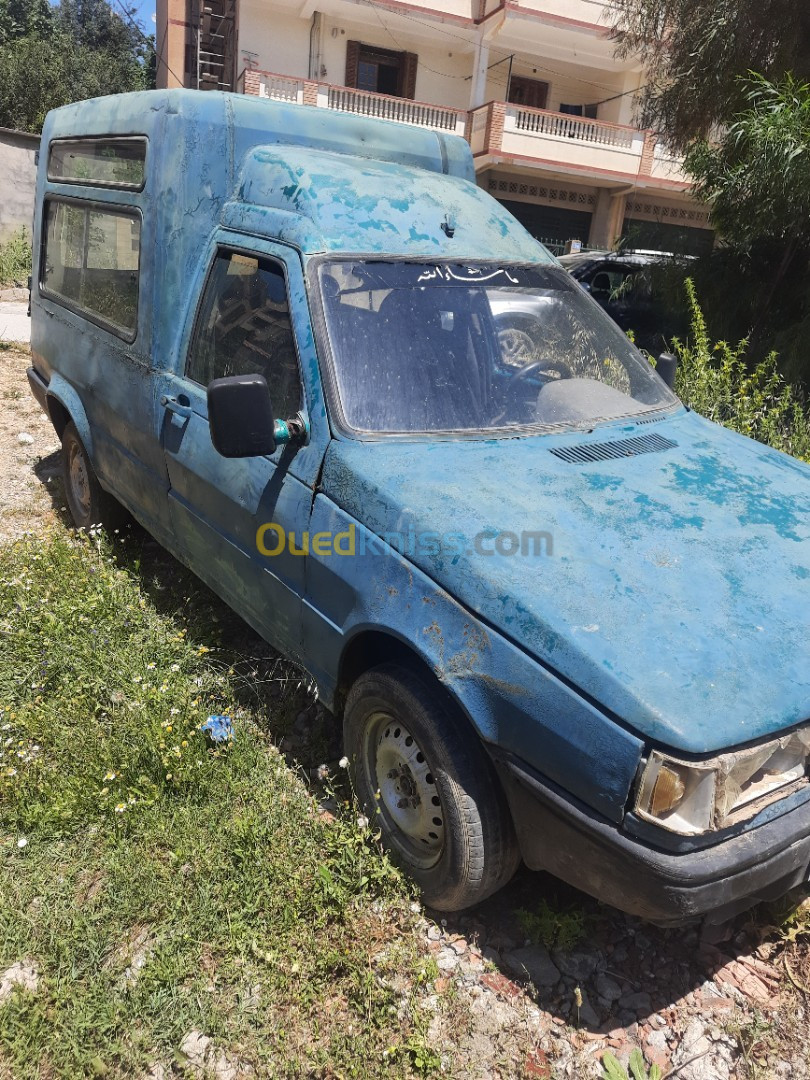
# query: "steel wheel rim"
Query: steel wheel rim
{"points": [[516, 346], [79, 480], [405, 789]]}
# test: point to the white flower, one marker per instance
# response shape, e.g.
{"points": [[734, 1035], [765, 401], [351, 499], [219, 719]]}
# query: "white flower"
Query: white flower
{"points": [[344, 763], [22, 842], [322, 772], [175, 667], [362, 822]]}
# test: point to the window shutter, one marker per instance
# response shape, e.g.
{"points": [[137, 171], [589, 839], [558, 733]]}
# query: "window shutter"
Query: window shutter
{"points": [[408, 74], [352, 62]]}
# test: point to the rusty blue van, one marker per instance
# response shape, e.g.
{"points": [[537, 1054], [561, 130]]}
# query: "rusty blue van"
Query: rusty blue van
{"points": [[564, 619]]}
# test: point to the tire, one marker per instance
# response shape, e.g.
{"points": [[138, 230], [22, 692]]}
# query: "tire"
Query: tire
{"points": [[89, 504], [424, 776]]}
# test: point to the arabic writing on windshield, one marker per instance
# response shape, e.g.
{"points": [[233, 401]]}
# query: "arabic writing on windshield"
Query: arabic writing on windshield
{"points": [[422, 348]]}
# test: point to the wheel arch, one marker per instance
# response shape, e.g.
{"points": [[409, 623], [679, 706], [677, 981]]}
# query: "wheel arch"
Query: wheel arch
{"points": [[370, 648], [64, 406]]}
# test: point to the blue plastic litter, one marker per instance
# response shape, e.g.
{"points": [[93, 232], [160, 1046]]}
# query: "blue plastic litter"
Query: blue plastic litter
{"points": [[218, 728]]}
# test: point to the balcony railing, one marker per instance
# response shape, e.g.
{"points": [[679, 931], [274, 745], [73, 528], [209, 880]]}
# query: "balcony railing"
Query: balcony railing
{"points": [[400, 110], [565, 126], [267, 84], [498, 129]]}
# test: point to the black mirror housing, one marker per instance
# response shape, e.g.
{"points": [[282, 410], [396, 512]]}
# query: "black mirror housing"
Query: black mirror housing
{"points": [[666, 365], [240, 416]]}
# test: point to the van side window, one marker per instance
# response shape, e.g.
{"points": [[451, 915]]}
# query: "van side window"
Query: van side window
{"points": [[103, 162], [91, 261], [243, 328]]}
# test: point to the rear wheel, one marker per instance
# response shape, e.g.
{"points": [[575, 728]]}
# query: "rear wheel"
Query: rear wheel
{"points": [[88, 502], [424, 777]]}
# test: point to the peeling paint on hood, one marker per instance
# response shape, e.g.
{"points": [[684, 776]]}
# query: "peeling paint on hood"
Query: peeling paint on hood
{"points": [[678, 592]]}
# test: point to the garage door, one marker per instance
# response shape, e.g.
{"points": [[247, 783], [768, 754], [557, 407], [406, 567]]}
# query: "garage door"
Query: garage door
{"points": [[661, 236], [553, 225]]}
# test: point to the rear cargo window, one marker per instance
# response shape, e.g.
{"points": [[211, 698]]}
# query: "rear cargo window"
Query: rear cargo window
{"points": [[106, 162], [91, 262]]}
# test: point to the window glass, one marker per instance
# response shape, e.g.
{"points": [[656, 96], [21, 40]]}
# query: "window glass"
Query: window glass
{"points": [[243, 328], [91, 261], [103, 162], [485, 347]]}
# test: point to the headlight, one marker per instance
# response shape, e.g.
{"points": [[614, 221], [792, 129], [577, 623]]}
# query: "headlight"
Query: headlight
{"points": [[698, 797]]}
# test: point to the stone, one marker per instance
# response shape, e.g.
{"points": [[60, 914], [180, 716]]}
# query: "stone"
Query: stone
{"points": [[23, 974], [639, 1003], [24, 439], [576, 963], [194, 1047], [446, 960], [499, 984], [607, 989], [586, 1013], [533, 963]]}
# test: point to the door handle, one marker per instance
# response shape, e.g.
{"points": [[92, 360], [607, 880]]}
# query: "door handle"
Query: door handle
{"points": [[173, 405]]}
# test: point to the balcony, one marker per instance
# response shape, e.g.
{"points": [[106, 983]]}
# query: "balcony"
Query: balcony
{"points": [[574, 144], [360, 102], [500, 131]]}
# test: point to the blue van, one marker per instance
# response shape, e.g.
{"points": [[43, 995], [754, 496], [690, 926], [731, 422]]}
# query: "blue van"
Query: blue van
{"points": [[563, 618]]}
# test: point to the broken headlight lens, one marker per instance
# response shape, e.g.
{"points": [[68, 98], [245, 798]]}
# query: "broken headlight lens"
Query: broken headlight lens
{"points": [[697, 797]]}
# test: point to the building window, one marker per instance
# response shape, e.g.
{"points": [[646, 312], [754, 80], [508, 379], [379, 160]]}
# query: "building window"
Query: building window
{"points": [[91, 260], [588, 111], [530, 93], [380, 71]]}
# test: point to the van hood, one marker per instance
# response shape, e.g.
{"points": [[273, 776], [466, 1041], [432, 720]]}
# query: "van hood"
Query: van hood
{"points": [[676, 591]]}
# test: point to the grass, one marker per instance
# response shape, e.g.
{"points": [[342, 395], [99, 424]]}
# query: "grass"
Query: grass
{"points": [[159, 883], [15, 259]]}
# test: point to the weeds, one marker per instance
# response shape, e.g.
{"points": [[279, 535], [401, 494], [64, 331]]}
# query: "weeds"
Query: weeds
{"points": [[552, 927], [714, 380], [614, 1070], [15, 259]]}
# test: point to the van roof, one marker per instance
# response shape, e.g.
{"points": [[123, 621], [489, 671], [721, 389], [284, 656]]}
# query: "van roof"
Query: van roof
{"points": [[239, 121], [322, 180]]}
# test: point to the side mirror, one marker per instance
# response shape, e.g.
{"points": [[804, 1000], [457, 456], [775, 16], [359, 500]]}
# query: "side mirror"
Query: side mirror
{"points": [[666, 365], [240, 416]]}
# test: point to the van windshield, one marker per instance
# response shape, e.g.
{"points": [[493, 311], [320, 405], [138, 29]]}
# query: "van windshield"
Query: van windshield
{"points": [[457, 347]]}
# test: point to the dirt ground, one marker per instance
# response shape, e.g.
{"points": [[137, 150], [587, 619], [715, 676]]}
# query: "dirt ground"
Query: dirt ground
{"points": [[704, 1003], [29, 451]]}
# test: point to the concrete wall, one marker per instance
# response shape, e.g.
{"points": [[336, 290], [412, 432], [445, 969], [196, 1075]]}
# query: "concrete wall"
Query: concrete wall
{"points": [[18, 176]]}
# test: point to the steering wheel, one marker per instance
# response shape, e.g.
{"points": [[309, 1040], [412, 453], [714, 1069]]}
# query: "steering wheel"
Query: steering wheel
{"points": [[563, 371]]}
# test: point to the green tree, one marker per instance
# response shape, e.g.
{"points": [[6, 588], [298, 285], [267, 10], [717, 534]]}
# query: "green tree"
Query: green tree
{"points": [[76, 50], [756, 176], [695, 51]]}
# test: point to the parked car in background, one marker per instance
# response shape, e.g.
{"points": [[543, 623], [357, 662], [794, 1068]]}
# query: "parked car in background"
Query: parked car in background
{"points": [[626, 285]]}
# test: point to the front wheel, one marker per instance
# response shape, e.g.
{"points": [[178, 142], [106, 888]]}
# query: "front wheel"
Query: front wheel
{"points": [[422, 774], [88, 502]]}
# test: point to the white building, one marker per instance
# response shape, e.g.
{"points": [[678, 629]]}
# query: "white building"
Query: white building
{"points": [[534, 86]]}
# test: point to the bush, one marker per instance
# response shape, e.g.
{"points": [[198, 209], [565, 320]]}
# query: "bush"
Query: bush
{"points": [[15, 260], [715, 380]]}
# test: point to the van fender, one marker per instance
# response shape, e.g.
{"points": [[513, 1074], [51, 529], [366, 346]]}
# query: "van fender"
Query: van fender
{"points": [[61, 391]]}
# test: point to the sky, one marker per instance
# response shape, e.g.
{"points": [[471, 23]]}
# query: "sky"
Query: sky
{"points": [[146, 14]]}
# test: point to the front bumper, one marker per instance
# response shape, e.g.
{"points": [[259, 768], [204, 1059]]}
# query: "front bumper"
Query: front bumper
{"points": [[667, 888]]}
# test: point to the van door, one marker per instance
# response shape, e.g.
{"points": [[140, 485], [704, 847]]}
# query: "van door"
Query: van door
{"points": [[243, 325]]}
